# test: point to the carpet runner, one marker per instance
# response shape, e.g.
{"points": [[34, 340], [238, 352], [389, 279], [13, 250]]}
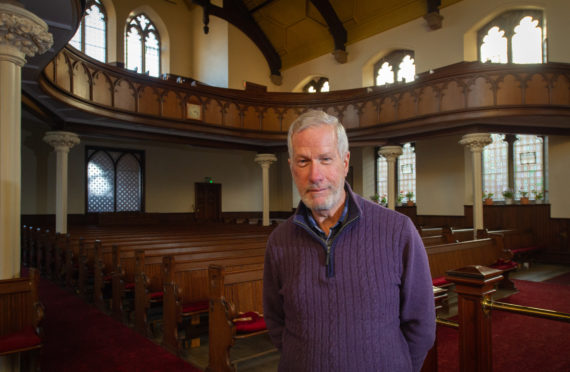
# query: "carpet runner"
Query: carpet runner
{"points": [[80, 338], [520, 343]]}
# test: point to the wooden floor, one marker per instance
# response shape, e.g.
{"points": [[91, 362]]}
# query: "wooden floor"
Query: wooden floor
{"points": [[268, 363]]}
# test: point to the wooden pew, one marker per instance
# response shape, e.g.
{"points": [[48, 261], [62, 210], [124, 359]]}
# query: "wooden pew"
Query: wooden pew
{"points": [[488, 251], [150, 279], [20, 317], [233, 291]]}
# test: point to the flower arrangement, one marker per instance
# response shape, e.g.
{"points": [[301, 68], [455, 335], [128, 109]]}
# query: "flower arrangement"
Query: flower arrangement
{"points": [[400, 197], [508, 194], [409, 195], [375, 198], [538, 194], [383, 200], [524, 196], [487, 195]]}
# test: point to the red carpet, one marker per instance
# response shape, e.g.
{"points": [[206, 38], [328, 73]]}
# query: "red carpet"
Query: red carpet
{"points": [[560, 279], [521, 343], [79, 338]]}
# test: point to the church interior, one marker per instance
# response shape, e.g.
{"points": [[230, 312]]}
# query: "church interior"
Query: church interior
{"points": [[134, 126]]}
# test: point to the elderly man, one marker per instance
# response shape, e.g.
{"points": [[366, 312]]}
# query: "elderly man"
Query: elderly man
{"points": [[347, 285]]}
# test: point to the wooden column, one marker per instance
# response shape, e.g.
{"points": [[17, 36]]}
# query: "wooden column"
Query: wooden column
{"points": [[265, 161], [472, 285], [476, 142], [22, 34], [391, 153]]}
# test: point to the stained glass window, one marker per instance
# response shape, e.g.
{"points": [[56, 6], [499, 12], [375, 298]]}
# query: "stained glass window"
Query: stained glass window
{"points": [[317, 85], [382, 177], [515, 36], [528, 165], [142, 47], [407, 170], [114, 180], [495, 167], [91, 36], [397, 66]]}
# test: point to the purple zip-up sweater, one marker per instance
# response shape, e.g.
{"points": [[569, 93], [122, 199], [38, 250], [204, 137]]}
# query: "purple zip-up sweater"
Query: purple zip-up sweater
{"points": [[372, 309]]}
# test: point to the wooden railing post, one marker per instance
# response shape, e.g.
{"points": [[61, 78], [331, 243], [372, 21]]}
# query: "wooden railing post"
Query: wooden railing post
{"points": [[472, 284]]}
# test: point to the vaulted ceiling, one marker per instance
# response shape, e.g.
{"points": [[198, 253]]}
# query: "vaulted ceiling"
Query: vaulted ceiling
{"points": [[289, 32]]}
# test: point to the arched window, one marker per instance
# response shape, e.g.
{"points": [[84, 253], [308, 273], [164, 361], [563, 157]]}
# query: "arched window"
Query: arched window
{"points": [[398, 66], [407, 170], [114, 180], [91, 36], [516, 36], [317, 85], [514, 163], [142, 45]]}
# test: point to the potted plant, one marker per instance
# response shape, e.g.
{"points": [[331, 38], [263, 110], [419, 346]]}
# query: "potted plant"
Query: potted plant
{"points": [[508, 195], [488, 198], [400, 198], [375, 198], [538, 196], [409, 196], [384, 200], [524, 196]]}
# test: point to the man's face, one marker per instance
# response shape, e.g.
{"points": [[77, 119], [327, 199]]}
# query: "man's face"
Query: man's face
{"points": [[317, 169]]}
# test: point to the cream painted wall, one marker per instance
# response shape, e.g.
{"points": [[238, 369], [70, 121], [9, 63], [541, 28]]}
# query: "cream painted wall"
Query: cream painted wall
{"points": [[433, 49], [210, 51], [440, 176], [559, 176], [246, 62]]}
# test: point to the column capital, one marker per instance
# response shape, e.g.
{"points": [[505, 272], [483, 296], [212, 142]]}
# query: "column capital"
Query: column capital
{"points": [[476, 141], [391, 153], [22, 34], [61, 141], [265, 160]]}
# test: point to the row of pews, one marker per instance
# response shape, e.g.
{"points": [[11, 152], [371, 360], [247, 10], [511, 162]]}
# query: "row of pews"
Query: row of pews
{"points": [[207, 278]]}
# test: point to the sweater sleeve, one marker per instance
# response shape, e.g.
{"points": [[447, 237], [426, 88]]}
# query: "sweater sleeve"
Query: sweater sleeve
{"points": [[272, 299], [417, 309]]}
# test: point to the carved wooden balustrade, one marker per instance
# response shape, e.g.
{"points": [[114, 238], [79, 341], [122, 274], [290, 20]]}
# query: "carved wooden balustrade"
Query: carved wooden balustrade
{"points": [[467, 93]]}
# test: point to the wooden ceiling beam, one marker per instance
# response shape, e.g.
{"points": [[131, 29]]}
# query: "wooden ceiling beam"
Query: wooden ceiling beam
{"points": [[336, 28], [236, 13]]}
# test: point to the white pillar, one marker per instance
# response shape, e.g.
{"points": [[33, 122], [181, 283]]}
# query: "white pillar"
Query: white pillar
{"points": [[22, 34], [391, 153], [62, 142], [476, 142], [265, 161]]}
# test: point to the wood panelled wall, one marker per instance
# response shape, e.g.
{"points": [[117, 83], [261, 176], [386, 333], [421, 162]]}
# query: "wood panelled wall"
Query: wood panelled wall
{"points": [[465, 91], [550, 232]]}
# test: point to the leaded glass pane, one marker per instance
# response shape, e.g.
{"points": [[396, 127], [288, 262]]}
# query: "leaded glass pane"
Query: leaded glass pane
{"points": [[134, 50], [100, 183], [529, 165], [407, 69], [382, 181], [494, 46], [495, 167], [407, 170], [76, 40], [527, 42], [129, 184], [152, 63], [95, 33], [385, 74]]}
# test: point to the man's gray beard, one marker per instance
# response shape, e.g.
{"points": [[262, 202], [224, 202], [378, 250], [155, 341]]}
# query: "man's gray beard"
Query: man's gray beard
{"points": [[329, 202]]}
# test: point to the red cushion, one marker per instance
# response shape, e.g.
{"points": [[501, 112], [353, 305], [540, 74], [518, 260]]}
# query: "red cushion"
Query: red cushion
{"points": [[108, 278], [504, 265], [195, 306], [156, 295], [440, 281], [19, 341], [130, 285], [249, 322], [523, 250]]}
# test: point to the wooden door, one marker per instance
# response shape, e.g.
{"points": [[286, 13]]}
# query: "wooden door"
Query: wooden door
{"points": [[208, 201]]}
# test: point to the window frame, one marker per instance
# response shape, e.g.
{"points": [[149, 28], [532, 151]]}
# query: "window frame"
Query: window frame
{"points": [[143, 34], [139, 155], [82, 27], [317, 83], [394, 58], [507, 21]]}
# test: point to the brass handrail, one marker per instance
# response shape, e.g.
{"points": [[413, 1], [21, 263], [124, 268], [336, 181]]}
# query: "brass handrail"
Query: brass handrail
{"points": [[489, 304], [447, 323]]}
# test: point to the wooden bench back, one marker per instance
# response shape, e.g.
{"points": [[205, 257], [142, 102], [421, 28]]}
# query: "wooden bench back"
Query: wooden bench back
{"points": [[19, 303]]}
